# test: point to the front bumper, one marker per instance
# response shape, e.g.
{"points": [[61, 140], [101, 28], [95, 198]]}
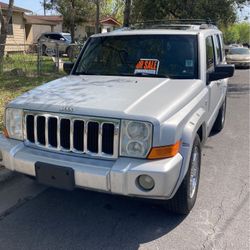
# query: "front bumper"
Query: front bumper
{"points": [[115, 176], [239, 63]]}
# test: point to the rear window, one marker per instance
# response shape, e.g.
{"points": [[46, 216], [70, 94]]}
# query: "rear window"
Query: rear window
{"points": [[173, 56]]}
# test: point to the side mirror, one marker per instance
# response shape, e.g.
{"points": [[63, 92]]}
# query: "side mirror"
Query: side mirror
{"points": [[221, 71], [62, 39], [67, 67]]}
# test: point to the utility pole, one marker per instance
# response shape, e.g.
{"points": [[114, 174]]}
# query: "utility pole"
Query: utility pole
{"points": [[44, 7]]}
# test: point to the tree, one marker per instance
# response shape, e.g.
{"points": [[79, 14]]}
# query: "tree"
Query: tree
{"points": [[237, 33], [231, 35], [244, 32], [114, 8], [73, 12], [5, 20], [127, 12], [221, 11]]}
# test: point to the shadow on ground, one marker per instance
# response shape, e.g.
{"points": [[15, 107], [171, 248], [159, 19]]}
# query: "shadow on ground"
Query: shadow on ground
{"points": [[84, 220]]}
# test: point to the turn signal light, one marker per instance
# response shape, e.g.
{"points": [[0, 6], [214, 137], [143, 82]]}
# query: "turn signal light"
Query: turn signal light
{"points": [[164, 152]]}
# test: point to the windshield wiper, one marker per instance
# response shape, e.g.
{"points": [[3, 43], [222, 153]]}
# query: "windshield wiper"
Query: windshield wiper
{"points": [[86, 73]]}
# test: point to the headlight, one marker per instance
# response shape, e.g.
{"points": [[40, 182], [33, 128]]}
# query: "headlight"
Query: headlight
{"points": [[136, 138], [14, 123]]}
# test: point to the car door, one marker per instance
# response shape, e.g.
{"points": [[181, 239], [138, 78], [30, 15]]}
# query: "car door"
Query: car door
{"points": [[213, 86]]}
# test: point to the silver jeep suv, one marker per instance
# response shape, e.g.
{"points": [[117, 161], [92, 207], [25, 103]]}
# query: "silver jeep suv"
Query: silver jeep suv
{"points": [[129, 119]]}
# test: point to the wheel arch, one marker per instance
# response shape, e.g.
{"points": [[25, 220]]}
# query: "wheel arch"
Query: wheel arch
{"points": [[195, 126]]}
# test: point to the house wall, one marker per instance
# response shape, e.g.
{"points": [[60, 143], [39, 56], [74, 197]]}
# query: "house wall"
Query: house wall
{"points": [[37, 30], [16, 41], [107, 28]]}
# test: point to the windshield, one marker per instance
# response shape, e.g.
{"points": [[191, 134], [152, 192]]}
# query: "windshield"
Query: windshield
{"points": [[67, 37], [239, 51], [173, 56]]}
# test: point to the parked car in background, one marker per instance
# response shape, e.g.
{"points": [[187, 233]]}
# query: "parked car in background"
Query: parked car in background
{"points": [[50, 41], [240, 57], [235, 45]]}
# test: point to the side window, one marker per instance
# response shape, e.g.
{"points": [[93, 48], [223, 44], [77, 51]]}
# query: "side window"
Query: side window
{"points": [[210, 53], [54, 37], [57, 37], [217, 49]]}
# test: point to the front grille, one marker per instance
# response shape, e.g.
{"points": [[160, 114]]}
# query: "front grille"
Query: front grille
{"points": [[67, 133]]}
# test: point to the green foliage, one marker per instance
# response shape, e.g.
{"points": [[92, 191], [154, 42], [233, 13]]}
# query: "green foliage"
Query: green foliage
{"points": [[244, 32], [231, 35], [221, 11], [80, 10], [112, 8], [73, 11], [237, 33]]}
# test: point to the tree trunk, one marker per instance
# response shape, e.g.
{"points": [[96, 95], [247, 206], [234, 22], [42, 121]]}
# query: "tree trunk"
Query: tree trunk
{"points": [[4, 31], [72, 21], [127, 10], [97, 16], [2, 49]]}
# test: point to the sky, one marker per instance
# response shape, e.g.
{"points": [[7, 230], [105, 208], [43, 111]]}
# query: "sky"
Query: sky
{"points": [[36, 7], [33, 5]]}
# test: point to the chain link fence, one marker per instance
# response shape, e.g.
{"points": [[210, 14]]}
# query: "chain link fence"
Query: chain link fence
{"points": [[33, 59]]}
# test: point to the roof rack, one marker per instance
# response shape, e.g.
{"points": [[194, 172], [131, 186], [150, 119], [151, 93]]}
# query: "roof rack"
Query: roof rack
{"points": [[175, 24]]}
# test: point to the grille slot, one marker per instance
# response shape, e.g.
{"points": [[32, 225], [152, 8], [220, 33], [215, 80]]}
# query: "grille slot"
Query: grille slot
{"points": [[108, 138], [30, 124], [41, 129], [78, 135], [52, 131], [65, 133], [93, 133]]}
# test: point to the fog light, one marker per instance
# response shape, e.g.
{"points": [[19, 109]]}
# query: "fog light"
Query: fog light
{"points": [[146, 182]]}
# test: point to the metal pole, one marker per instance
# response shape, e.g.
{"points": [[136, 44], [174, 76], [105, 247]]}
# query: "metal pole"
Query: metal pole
{"points": [[44, 9], [39, 59]]}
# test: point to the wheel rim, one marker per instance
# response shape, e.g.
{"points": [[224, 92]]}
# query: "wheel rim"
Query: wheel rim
{"points": [[194, 172]]}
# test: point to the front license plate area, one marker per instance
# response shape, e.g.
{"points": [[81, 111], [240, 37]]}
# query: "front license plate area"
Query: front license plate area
{"points": [[55, 176]]}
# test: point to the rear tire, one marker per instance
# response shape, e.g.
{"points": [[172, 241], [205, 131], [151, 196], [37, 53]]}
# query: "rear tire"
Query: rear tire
{"points": [[185, 197], [220, 120]]}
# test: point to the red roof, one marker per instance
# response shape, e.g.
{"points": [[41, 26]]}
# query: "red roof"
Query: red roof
{"points": [[5, 6], [110, 20]]}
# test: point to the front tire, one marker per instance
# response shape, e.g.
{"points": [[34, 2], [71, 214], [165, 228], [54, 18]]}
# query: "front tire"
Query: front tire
{"points": [[185, 197]]}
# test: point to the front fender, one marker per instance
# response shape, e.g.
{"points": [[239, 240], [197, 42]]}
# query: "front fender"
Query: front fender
{"points": [[190, 130]]}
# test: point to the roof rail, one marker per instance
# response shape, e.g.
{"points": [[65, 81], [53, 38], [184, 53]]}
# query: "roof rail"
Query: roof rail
{"points": [[177, 23]]}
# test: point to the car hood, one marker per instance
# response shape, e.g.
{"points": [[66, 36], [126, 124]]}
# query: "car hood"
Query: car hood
{"points": [[111, 96]]}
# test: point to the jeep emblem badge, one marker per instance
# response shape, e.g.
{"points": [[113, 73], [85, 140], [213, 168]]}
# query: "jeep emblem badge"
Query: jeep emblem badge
{"points": [[66, 109]]}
